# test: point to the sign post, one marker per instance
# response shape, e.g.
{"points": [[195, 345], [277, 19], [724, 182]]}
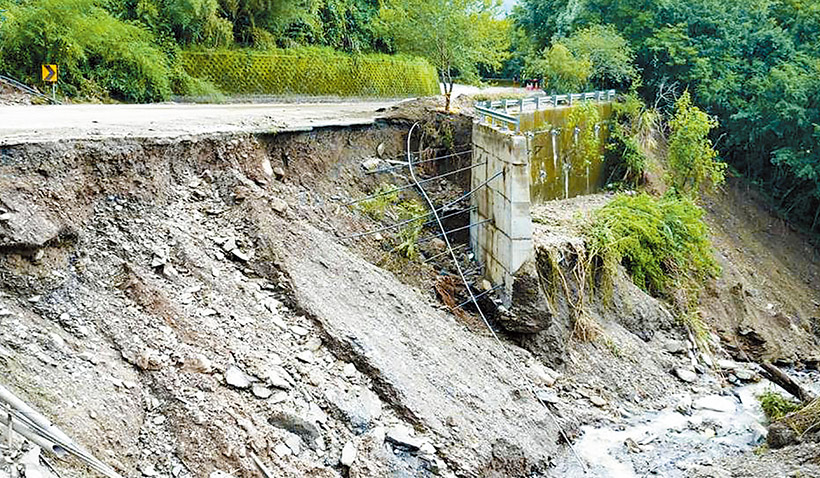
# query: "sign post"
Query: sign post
{"points": [[50, 76]]}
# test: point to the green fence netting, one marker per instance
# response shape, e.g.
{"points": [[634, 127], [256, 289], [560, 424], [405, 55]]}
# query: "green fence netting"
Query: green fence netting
{"points": [[312, 73]]}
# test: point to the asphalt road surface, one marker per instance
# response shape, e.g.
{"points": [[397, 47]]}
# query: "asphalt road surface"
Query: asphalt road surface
{"points": [[29, 124]]}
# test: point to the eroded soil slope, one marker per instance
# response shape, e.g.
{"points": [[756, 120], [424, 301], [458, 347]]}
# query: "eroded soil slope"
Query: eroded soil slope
{"points": [[180, 306]]}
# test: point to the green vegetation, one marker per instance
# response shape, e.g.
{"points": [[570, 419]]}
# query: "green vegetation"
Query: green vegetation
{"points": [[561, 70], [776, 406], [662, 242], [596, 56], [96, 52], [148, 50], [633, 136], [386, 201], [752, 66], [408, 235], [456, 36], [691, 157], [664, 246], [582, 121], [805, 419], [383, 198]]}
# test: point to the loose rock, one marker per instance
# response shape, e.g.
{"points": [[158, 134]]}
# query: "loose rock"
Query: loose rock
{"points": [[294, 443], [597, 401], [715, 403], [305, 356], [235, 377], [261, 391], [197, 363], [686, 375], [402, 436], [279, 205], [348, 454], [676, 346]]}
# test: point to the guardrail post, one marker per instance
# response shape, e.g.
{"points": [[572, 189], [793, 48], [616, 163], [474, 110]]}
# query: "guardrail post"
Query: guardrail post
{"points": [[554, 100], [569, 99], [537, 103]]}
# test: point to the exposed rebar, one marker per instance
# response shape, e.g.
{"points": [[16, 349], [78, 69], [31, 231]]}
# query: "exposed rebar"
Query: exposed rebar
{"points": [[404, 165], [408, 186]]}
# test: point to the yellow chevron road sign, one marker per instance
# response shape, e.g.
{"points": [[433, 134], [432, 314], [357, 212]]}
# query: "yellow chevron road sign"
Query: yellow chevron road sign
{"points": [[50, 73]]}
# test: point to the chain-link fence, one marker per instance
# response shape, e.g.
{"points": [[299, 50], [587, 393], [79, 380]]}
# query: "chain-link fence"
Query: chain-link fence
{"points": [[312, 73]]}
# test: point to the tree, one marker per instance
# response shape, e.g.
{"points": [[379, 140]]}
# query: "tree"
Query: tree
{"points": [[691, 157], [561, 70], [454, 35], [610, 55]]}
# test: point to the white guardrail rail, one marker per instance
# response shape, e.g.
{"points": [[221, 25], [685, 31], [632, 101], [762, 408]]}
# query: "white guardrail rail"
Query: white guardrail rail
{"points": [[508, 112]]}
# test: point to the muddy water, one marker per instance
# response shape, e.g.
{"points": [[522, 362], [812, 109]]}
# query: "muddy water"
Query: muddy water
{"points": [[558, 169], [668, 443]]}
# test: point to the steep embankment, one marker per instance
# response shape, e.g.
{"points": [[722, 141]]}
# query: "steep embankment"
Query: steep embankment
{"points": [[179, 305], [766, 304], [706, 416]]}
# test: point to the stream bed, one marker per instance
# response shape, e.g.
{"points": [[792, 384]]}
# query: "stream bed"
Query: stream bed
{"points": [[698, 430]]}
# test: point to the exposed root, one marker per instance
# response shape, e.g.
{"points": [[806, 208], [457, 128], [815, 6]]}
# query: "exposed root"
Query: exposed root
{"points": [[447, 287], [552, 276]]}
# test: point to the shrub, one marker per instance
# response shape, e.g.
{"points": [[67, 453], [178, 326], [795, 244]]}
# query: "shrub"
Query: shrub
{"points": [[93, 49], [409, 234], [663, 243], [383, 198], [692, 160], [632, 135], [776, 406], [184, 84], [624, 156]]}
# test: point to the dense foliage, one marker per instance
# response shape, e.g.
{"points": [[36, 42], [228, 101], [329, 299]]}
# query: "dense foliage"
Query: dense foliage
{"points": [[754, 65], [592, 57], [96, 52], [456, 36], [132, 50], [663, 243], [690, 156]]}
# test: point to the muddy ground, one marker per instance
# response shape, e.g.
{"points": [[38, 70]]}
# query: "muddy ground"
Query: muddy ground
{"points": [[180, 305]]}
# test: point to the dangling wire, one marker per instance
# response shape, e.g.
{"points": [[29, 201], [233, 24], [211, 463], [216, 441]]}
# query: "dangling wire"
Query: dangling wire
{"points": [[473, 299]]}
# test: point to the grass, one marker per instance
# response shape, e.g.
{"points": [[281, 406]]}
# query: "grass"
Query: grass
{"points": [[383, 198], [805, 419], [386, 201], [776, 406]]}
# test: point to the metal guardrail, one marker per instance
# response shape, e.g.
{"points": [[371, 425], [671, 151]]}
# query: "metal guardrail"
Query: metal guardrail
{"points": [[23, 87], [499, 110]]}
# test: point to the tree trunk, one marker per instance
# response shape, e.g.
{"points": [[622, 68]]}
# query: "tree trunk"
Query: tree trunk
{"points": [[786, 383]]}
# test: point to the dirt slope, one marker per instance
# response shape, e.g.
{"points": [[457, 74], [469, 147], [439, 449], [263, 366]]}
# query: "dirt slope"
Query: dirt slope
{"points": [[171, 306]]}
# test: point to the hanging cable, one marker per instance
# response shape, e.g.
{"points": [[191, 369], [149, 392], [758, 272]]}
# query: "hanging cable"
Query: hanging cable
{"points": [[408, 186], [528, 381], [404, 165]]}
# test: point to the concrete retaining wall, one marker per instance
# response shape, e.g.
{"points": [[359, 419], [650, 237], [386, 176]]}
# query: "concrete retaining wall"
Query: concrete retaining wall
{"points": [[504, 243]]}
